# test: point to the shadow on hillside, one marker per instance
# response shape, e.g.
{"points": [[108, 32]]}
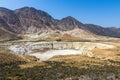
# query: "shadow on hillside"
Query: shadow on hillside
{"points": [[58, 71]]}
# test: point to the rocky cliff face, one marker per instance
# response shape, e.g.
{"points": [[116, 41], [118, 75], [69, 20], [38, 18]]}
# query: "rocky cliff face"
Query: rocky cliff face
{"points": [[31, 46]]}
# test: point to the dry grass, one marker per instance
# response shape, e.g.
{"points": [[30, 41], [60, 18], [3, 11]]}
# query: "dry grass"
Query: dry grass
{"points": [[8, 58], [105, 54]]}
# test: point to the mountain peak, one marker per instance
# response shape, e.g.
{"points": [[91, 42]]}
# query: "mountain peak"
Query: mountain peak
{"points": [[26, 8], [69, 18], [32, 12], [69, 23]]}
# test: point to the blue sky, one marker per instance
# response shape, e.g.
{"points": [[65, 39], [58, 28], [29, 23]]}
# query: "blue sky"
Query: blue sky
{"points": [[101, 12]]}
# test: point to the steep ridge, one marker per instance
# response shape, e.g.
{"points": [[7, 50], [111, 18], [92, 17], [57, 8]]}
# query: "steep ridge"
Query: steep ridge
{"points": [[5, 31], [11, 20], [114, 32], [34, 20], [69, 23]]}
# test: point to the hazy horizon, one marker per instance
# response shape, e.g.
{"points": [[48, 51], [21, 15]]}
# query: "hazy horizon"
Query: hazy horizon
{"points": [[100, 12]]}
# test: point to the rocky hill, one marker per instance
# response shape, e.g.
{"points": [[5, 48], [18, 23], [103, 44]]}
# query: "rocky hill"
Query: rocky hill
{"points": [[99, 30], [28, 20], [69, 23]]}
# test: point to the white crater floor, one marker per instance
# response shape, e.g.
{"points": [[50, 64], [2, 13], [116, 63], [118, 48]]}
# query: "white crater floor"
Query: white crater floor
{"points": [[51, 53]]}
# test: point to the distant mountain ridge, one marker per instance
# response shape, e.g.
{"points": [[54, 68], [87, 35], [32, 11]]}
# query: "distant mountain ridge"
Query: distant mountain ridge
{"points": [[28, 20], [99, 30]]}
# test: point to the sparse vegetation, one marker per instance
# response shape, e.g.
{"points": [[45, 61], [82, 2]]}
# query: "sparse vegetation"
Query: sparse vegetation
{"points": [[7, 58], [76, 67], [63, 67]]}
